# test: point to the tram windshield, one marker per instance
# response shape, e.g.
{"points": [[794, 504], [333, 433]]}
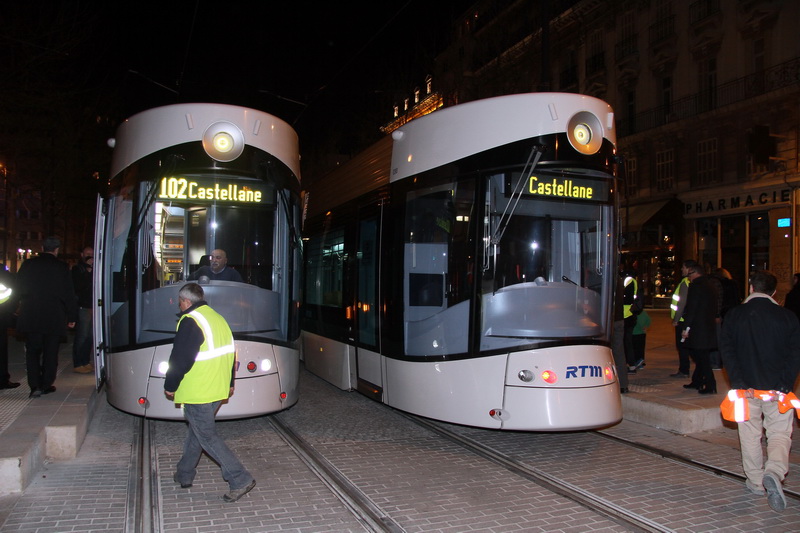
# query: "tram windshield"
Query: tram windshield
{"points": [[240, 252], [546, 258], [535, 251]]}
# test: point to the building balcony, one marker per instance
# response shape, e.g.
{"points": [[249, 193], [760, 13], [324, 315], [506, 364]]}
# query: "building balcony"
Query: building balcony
{"points": [[778, 77]]}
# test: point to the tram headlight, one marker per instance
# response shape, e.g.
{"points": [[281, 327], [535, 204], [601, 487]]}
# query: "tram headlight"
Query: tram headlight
{"points": [[585, 132], [223, 141], [525, 376]]}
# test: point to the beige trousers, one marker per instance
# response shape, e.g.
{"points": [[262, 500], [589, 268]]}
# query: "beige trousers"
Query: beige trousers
{"points": [[764, 416]]}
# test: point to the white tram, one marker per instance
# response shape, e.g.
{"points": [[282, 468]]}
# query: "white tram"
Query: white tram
{"points": [[185, 180], [464, 269]]}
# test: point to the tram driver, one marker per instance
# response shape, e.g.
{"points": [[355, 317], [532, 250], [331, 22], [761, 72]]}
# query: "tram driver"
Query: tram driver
{"points": [[218, 269]]}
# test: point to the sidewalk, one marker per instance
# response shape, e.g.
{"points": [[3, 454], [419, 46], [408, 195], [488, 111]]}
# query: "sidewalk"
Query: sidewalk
{"points": [[50, 427], [658, 400]]}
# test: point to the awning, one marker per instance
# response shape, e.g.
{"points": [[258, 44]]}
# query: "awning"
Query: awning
{"points": [[635, 216]]}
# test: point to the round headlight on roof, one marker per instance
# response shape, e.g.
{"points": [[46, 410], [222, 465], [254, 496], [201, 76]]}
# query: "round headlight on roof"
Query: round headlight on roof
{"points": [[223, 141], [585, 133]]}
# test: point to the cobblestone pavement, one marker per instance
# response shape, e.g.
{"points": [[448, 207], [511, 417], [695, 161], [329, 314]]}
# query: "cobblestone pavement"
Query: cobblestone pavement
{"points": [[422, 481]]}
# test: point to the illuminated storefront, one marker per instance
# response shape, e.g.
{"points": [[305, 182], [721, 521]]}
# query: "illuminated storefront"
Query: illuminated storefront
{"points": [[743, 229]]}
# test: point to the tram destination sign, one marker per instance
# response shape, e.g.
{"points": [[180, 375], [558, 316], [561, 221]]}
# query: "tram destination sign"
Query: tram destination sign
{"points": [[567, 188], [200, 189]]}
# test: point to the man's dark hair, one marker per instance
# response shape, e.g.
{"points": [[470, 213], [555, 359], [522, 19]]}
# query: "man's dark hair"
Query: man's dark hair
{"points": [[692, 266], [51, 244], [764, 281], [192, 292]]}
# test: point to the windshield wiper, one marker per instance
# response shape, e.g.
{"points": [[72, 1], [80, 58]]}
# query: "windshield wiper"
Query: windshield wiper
{"points": [[505, 218]]}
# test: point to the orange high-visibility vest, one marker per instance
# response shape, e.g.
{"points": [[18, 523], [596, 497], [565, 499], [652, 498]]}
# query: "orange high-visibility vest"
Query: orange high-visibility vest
{"points": [[734, 407]]}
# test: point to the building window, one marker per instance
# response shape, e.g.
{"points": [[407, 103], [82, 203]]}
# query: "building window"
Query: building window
{"points": [[708, 84], [631, 177], [428, 85], [666, 97], [416, 95], [707, 165], [758, 55], [665, 170], [595, 63]]}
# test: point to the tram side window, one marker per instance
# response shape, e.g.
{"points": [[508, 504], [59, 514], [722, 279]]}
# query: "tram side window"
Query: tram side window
{"points": [[438, 267], [325, 269], [117, 265]]}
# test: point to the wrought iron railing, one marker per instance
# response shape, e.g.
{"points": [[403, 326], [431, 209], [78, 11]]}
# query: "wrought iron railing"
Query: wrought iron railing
{"points": [[765, 81]]}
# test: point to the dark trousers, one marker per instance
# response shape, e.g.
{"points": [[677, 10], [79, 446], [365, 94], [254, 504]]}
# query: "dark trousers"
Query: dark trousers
{"points": [[82, 344], [684, 354], [5, 377], [41, 359], [639, 344], [630, 355], [703, 376]]}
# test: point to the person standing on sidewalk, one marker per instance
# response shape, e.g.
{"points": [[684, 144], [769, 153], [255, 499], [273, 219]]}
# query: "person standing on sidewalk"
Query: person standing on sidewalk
{"points": [[82, 281], [761, 352], [200, 377], [700, 329], [8, 304], [618, 336], [633, 304], [679, 298], [48, 307]]}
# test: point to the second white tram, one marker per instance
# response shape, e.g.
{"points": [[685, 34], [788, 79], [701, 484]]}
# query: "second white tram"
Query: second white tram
{"points": [[464, 269], [185, 180]]}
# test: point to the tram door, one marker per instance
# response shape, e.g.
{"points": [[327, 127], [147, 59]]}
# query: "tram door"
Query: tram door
{"points": [[97, 280], [367, 275]]}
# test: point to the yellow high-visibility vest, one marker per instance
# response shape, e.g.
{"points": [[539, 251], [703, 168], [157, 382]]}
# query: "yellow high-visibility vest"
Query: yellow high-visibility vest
{"points": [[676, 298], [209, 379], [626, 308]]}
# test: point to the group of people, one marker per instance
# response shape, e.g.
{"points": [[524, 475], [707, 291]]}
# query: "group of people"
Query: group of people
{"points": [[42, 302], [48, 299], [757, 341]]}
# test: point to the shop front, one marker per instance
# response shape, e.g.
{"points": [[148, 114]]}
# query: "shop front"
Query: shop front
{"points": [[742, 231]]}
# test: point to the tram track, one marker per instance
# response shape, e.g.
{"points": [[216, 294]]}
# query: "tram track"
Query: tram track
{"points": [[370, 515], [143, 505], [602, 506], [684, 460]]}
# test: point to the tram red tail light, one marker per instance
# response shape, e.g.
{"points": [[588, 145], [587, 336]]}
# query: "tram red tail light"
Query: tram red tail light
{"points": [[608, 372], [142, 401], [548, 376], [283, 396], [251, 366]]}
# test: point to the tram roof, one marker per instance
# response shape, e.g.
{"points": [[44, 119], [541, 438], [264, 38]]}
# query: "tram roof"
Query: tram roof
{"points": [[158, 128], [452, 133]]}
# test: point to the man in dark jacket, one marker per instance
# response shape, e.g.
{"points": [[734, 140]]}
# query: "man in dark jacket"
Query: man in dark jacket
{"points": [[761, 351], [48, 306], [700, 328]]}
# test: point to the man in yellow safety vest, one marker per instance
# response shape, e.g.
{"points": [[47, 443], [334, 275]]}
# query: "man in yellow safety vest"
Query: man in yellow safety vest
{"points": [[676, 313], [200, 376]]}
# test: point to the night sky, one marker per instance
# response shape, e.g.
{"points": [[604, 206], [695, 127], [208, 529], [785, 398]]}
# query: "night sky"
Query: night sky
{"points": [[303, 61], [72, 70]]}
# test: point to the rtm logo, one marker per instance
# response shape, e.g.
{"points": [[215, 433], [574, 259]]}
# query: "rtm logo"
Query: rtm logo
{"points": [[591, 371]]}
